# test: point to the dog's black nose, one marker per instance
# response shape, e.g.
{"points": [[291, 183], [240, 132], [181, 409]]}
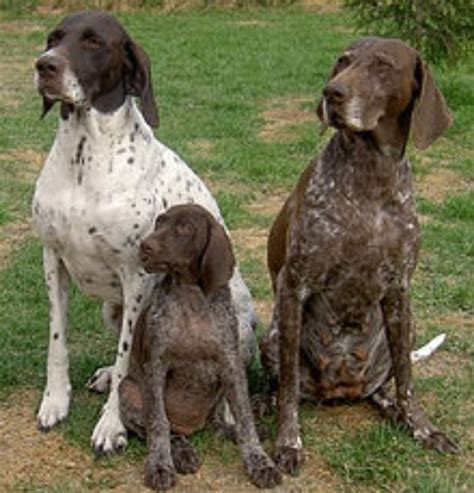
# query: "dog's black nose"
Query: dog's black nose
{"points": [[47, 66], [335, 91]]}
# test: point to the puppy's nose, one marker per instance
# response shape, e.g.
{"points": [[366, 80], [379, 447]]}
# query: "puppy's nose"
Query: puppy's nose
{"points": [[146, 249], [335, 91], [47, 66]]}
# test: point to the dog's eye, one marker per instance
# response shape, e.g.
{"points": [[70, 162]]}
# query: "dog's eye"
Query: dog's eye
{"points": [[91, 41], [160, 220], [53, 39], [343, 62], [184, 229]]}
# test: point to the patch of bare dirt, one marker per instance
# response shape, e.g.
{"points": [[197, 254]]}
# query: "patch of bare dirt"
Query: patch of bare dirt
{"points": [[282, 115], [463, 323], [11, 235], [249, 239], [249, 23], [30, 162], [326, 6], [16, 79], [441, 363], [20, 27], [269, 204], [436, 185], [345, 417], [264, 309], [201, 148], [34, 459]]}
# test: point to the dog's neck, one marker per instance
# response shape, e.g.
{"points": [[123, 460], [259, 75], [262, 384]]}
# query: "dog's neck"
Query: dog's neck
{"points": [[87, 120], [364, 166]]}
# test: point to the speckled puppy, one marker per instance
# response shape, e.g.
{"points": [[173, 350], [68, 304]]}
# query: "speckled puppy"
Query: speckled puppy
{"points": [[104, 182], [185, 356]]}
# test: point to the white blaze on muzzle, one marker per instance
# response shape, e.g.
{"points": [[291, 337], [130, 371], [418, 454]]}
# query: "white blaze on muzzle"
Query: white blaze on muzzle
{"points": [[67, 88]]}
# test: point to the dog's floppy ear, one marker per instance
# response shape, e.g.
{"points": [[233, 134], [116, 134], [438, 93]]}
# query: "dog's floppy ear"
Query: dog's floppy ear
{"points": [[47, 105], [217, 264], [138, 80], [431, 115]]}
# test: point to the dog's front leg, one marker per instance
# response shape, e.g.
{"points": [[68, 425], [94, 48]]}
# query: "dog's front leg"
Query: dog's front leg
{"points": [[160, 472], [55, 404], [397, 317], [258, 465], [288, 444], [110, 434]]}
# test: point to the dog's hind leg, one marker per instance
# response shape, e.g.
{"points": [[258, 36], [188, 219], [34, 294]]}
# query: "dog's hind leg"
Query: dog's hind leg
{"points": [[112, 317], [405, 408]]}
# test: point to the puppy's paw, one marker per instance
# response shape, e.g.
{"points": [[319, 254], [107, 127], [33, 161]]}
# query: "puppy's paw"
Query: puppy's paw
{"points": [[109, 434], [159, 475], [262, 471], [185, 458], [289, 459], [54, 407], [100, 381]]}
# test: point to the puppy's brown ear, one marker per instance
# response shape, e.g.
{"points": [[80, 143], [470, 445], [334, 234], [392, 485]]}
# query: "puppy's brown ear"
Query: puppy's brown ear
{"points": [[431, 115], [138, 81], [218, 261]]}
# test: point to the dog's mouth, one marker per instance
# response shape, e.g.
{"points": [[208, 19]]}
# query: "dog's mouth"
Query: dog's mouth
{"points": [[332, 115]]}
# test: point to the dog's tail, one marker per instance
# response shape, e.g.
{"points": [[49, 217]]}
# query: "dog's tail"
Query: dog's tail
{"points": [[428, 349]]}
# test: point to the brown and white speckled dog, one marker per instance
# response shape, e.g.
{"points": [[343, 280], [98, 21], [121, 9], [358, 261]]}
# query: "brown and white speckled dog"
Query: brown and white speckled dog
{"points": [[185, 357], [343, 249]]}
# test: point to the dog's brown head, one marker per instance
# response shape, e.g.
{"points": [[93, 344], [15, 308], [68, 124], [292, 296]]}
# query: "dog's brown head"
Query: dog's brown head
{"points": [[91, 60], [189, 243], [379, 81]]}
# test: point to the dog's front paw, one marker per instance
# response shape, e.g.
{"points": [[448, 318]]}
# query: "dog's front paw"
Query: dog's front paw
{"points": [[54, 407], [100, 381], [262, 471], [185, 457], [159, 475], [109, 434], [289, 459]]}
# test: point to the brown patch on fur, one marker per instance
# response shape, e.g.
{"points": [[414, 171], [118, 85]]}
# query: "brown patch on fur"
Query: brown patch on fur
{"points": [[282, 115], [437, 185]]}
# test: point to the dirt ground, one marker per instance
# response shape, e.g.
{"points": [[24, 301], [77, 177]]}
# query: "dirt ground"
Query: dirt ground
{"points": [[35, 461]]}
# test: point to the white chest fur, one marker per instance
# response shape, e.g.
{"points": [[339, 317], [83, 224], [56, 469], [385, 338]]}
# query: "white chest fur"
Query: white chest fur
{"points": [[104, 182]]}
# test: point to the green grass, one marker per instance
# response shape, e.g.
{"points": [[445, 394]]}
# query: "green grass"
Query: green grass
{"points": [[214, 74]]}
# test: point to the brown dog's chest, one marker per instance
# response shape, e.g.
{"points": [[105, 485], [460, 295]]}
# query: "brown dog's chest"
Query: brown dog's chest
{"points": [[356, 244]]}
